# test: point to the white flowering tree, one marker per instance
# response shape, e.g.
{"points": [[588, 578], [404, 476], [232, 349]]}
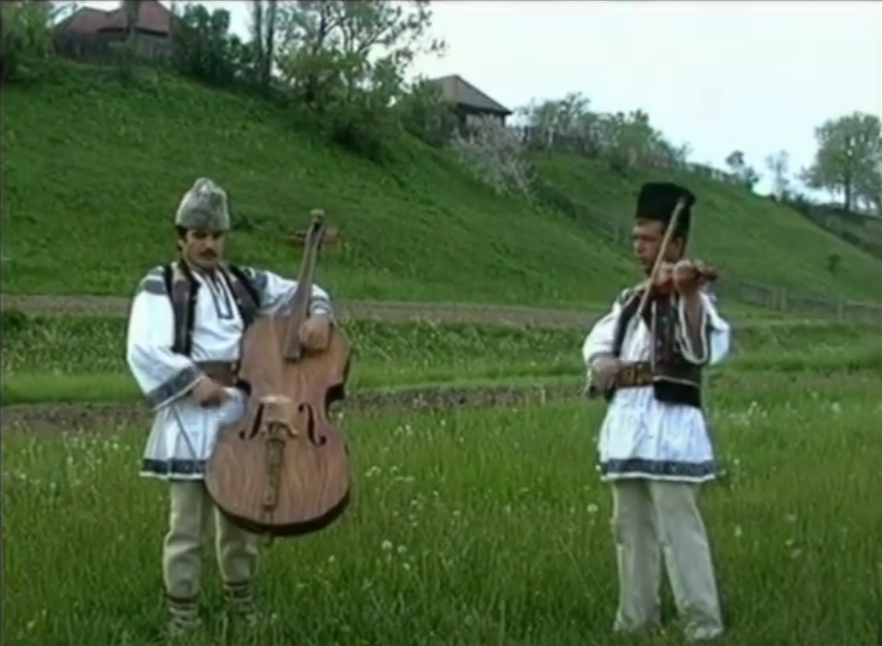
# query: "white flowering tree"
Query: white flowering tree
{"points": [[495, 155]]}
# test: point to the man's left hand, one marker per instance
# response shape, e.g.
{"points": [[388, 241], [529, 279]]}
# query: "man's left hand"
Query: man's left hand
{"points": [[315, 332], [687, 277]]}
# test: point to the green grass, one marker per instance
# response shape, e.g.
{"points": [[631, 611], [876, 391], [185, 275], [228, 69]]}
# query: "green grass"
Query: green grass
{"points": [[472, 528], [52, 359], [748, 237], [93, 168]]}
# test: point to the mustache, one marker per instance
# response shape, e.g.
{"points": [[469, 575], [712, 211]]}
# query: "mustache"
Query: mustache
{"points": [[208, 254]]}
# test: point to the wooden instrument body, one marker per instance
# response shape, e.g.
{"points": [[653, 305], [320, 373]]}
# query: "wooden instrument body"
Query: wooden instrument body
{"points": [[283, 469], [663, 285]]}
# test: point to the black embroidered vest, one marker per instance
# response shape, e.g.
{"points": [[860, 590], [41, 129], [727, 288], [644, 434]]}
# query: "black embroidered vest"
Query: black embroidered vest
{"points": [[183, 289], [675, 380]]}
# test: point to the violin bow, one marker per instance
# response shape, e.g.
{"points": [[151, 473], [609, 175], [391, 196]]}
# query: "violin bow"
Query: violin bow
{"points": [[659, 259]]}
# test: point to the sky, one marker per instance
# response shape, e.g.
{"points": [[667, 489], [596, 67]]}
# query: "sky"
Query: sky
{"points": [[752, 76]]}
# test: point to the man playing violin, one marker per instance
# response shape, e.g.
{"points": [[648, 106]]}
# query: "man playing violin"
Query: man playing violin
{"points": [[646, 358], [186, 326]]}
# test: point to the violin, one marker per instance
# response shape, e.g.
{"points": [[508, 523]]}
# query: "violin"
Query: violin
{"points": [[663, 282], [661, 279]]}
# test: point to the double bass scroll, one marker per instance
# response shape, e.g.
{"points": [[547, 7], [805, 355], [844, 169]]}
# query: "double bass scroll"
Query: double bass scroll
{"points": [[283, 469]]}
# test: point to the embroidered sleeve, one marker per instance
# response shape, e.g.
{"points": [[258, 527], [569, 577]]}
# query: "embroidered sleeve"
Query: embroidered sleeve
{"points": [[276, 293], [599, 341], [715, 334], [162, 375]]}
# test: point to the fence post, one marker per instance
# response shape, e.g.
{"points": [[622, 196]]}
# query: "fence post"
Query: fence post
{"points": [[783, 304]]}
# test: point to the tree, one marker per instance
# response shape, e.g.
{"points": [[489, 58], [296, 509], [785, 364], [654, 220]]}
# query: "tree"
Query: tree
{"points": [[743, 172], [345, 63], [205, 49], [422, 112], [630, 141], [779, 166], [553, 120], [848, 161], [131, 12], [264, 24], [627, 140], [25, 34]]}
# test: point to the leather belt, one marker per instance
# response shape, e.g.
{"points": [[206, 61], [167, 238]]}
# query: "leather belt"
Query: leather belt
{"points": [[634, 375], [226, 373]]}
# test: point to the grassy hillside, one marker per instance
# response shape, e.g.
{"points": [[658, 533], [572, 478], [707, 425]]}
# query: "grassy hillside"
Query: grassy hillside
{"points": [[862, 231], [748, 237], [93, 168]]}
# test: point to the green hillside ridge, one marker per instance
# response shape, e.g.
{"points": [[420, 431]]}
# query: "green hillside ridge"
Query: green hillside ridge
{"points": [[748, 237], [93, 168]]}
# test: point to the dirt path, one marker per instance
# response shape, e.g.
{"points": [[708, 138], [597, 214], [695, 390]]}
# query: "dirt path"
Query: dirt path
{"points": [[98, 416], [93, 415], [379, 310]]}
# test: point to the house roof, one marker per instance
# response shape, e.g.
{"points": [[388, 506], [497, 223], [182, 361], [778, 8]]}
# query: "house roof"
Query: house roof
{"points": [[152, 16], [455, 89]]}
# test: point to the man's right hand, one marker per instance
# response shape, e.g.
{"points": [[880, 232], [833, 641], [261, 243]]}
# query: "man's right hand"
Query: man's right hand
{"points": [[605, 370], [207, 392]]}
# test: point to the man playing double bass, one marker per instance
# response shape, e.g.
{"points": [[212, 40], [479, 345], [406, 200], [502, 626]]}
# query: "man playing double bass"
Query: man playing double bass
{"points": [[185, 331], [654, 446]]}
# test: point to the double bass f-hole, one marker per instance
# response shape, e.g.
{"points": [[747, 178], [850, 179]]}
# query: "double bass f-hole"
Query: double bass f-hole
{"points": [[286, 432], [312, 432]]}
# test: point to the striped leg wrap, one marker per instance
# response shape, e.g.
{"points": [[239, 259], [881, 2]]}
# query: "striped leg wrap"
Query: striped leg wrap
{"points": [[183, 614], [241, 596]]}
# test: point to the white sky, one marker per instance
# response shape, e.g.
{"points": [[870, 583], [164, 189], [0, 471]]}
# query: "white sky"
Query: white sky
{"points": [[754, 76]]}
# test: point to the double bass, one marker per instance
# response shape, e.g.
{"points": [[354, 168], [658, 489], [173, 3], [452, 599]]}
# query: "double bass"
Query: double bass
{"points": [[283, 469]]}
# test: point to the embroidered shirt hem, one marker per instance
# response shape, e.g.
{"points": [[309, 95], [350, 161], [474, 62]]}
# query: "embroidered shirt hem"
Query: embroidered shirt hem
{"points": [[175, 469], [668, 470]]}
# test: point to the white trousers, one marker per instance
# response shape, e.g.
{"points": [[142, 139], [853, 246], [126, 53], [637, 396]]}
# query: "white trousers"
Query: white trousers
{"points": [[189, 521], [651, 519]]}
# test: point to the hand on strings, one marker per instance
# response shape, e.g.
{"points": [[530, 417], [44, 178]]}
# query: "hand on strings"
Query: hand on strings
{"points": [[689, 276], [315, 332]]}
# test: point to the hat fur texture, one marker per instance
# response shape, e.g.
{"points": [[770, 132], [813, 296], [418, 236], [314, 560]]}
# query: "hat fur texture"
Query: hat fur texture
{"points": [[204, 207], [658, 200]]}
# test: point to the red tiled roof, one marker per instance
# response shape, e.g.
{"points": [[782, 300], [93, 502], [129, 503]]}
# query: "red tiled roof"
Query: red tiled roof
{"points": [[152, 16]]}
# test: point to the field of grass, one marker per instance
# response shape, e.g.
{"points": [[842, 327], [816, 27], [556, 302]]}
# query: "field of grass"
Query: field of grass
{"points": [[469, 528], [749, 237], [93, 167], [486, 527], [53, 359]]}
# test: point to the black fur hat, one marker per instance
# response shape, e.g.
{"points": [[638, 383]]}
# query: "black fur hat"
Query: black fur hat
{"points": [[657, 201]]}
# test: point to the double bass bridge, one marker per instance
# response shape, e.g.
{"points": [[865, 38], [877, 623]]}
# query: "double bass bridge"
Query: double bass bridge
{"points": [[273, 424]]}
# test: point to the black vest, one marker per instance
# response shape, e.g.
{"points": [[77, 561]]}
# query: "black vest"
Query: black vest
{"points": [[675, 380], [183, 288]]}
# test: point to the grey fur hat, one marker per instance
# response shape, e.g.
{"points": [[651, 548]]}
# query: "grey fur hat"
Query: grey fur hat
{"points": [[204, 206]]}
